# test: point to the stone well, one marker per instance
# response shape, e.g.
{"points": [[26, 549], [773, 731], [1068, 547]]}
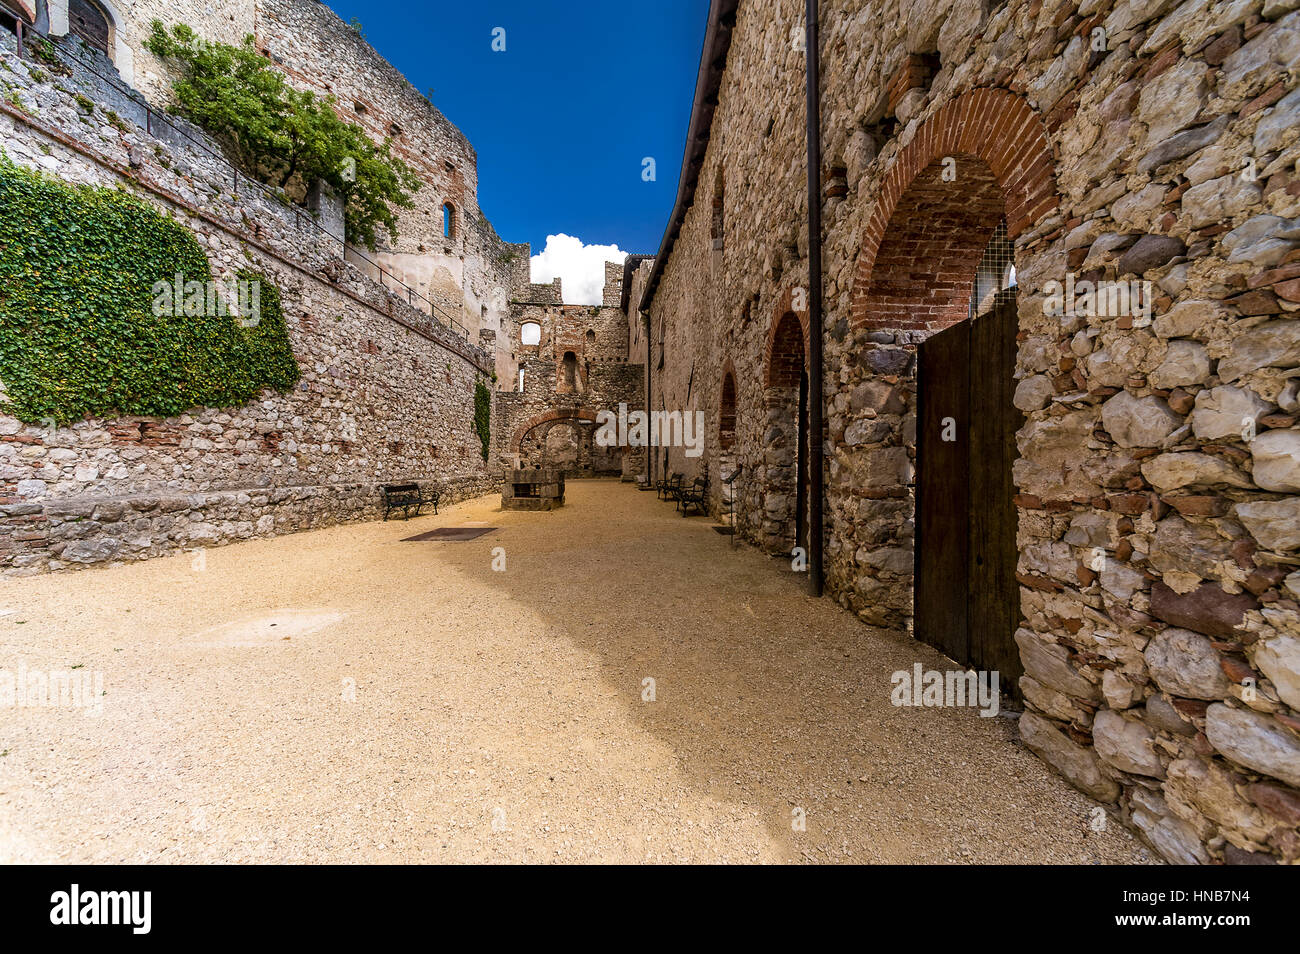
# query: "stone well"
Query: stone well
{"points": [[533, 488]]}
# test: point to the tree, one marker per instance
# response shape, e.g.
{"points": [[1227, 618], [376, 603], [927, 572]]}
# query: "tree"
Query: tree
{"points": [[283, 136]]}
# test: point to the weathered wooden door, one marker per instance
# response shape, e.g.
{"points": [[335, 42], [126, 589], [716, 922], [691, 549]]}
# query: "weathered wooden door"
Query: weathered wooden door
{"points": [[801, 468], [967, 601]]}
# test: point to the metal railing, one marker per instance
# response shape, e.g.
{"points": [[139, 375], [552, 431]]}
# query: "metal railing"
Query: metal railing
{"points": [[152, 115]]}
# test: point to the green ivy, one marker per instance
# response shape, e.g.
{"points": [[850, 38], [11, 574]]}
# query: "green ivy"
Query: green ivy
{"points": [[78, 329], [482, 413], [290, 139]]}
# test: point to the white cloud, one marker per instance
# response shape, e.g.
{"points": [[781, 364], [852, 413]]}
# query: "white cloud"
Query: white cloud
{"points": [[580, 268]]}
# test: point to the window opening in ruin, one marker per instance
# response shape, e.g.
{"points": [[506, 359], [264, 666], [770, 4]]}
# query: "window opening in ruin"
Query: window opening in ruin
{"points": [[448, 220], [521, 380], [591, 339], [995, 273], [91, 22], [530, 333], [570, 370]]}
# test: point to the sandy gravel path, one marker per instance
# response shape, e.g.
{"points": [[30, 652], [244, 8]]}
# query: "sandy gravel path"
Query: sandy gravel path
{"points": [[341, 695]]}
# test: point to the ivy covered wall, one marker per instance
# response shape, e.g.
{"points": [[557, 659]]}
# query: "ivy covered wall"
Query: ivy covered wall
{"points": [[135, 431], [89, 324]]}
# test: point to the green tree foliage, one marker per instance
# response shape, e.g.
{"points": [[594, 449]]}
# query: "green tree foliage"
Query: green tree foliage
{"points": [[482, 413], [78, 329], [289, 138]]}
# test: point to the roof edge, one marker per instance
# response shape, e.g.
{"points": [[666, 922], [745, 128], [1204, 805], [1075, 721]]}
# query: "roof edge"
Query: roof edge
{"points": [[713, 62], [630, 264]]}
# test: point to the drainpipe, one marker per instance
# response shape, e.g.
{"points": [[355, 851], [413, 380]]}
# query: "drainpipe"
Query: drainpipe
{"points": [[815, 392]]}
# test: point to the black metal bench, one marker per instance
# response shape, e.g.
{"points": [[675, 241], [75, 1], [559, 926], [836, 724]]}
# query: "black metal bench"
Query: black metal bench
{"points": [[669, 487], [405, 497], [696, 495]]}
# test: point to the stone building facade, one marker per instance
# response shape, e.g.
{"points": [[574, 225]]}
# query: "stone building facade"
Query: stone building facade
{"points": [[1156, 515], [569, 363], [386, 391]]}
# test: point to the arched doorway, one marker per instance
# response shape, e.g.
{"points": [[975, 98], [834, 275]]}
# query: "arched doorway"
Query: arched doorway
{"points": [[976, 176], [566, 439], [784, 475], [563, 446]]}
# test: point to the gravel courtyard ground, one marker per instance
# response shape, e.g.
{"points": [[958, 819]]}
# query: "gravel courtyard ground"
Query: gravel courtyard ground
{"points": [[341, 695]]}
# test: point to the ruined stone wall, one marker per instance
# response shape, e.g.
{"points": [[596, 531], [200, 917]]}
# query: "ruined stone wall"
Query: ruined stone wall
{"points": [[638, 344], [1159, 465], [386, 394], [552, 421], [471, 274]]}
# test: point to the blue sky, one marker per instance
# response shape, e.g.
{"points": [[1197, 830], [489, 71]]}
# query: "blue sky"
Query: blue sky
{"points": [[561, 120]]}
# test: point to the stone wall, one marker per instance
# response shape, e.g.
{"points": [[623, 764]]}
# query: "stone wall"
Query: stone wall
{"points": [[468, 276], [551, 422], [471, 274], [1159, 465], [386, 393]]}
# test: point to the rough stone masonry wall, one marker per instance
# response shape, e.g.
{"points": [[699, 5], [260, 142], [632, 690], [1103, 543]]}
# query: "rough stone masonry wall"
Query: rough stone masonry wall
{"points": [[598, 337], [385, 395], [471, 275], [1163, 452]]}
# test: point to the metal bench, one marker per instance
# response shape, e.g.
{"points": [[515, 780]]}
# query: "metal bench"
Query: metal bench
{"points": [[696, 495], [405, 497], [669, 487]]}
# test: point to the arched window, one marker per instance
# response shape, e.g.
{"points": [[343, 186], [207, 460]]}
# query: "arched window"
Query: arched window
{"points": [[448, 220], [570, 370], [530, 333], [591, 339], [91, 23], [727, 412]]}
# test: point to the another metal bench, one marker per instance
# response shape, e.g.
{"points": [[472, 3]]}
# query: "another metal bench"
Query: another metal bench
{"points": [[405, 497], [696, 495], [669, 487]]}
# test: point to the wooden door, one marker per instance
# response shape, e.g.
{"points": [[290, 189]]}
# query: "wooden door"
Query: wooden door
{"points": [[801, 468], [994, 592], [942, 491], [967, 597]]}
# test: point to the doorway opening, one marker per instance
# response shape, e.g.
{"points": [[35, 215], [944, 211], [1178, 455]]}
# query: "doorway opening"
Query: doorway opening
{"points": [[783, 520], [943, 274]]}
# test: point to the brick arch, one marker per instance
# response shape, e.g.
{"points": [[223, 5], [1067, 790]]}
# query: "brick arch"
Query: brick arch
{"points": [[773, 351], [577, 414], [1007, 140]]}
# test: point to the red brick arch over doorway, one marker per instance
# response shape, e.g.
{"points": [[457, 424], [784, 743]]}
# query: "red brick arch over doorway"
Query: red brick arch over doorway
{"points": [[579, 414], [782, 348], [1007, 140]]}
